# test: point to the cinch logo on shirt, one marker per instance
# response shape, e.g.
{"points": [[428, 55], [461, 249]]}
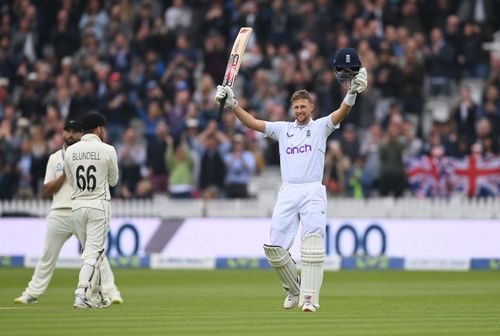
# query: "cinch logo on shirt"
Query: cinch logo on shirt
{"points": [[299, 149]]}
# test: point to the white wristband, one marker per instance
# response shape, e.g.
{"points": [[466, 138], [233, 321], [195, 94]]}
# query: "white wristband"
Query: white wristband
{"points": [[231, 108], [350, 98]]}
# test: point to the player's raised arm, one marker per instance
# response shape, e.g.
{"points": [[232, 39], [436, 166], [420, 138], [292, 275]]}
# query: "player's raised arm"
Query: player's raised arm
{"points": [[232, 104], [349, 73]]}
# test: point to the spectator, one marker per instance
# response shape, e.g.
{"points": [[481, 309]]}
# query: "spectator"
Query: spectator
{"points": [[214, 54], [240, 165], [412, 83], [486, 138], [464, 115], [178, 17], [7, 181], [472, 57], [24, 171], [180, 165], [370, 151], [94, 19], [155, 162], [212, 145], [392, 172], [350, 142], [63, 35], [120, 57], [440, 61], [131, 159], [117, 110], [336, 167], [40, 156]]}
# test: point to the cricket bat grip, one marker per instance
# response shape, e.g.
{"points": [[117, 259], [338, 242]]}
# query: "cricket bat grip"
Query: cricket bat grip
{"points": [[222, 102]]}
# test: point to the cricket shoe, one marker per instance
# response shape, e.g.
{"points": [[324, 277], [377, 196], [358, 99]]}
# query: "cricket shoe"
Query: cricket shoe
{"points": [[116, 298], [291, 301], [26, 299], [308, 307]]}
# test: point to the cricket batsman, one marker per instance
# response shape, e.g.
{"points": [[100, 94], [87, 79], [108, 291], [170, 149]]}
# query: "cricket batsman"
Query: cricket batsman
{"points": [[302, 196]]}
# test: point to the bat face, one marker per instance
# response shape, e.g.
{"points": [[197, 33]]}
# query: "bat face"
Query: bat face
{"points": [[237, 51], [231, 70], [234, 62]]}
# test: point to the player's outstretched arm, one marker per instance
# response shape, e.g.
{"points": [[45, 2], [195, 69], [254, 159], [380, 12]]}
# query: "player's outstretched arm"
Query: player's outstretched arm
{"points": [[231, 103], [358, 85]]}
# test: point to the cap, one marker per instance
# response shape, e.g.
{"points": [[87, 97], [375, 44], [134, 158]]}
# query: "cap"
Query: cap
{"points": [[93, 120], [72, 124]]}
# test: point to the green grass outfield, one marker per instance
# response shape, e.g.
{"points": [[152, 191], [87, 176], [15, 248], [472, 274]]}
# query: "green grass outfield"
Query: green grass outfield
{"points": [[248, 302]]}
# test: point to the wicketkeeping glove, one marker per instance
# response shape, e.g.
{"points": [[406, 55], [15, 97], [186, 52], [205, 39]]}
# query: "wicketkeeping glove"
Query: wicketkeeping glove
{"points": [[359, 83], [226, 91]]}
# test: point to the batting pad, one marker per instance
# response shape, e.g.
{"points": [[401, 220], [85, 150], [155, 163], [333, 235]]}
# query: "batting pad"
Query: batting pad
{"points": [[312, 252], [282, 262], [90, 276]]}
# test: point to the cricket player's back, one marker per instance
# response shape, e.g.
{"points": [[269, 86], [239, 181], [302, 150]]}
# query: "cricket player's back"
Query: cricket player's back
{"points": [[92, 168]]}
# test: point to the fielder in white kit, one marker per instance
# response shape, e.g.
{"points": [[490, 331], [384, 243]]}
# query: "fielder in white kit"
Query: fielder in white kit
{"points": [[91, 166], [302, 197], [60, 226]]}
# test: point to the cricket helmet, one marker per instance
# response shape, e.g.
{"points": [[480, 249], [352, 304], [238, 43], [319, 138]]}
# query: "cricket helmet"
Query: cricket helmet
{"points": [[346, 64]]}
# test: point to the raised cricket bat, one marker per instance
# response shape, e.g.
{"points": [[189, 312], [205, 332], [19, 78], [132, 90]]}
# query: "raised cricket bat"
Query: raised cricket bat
{"points": [[234, 62]]}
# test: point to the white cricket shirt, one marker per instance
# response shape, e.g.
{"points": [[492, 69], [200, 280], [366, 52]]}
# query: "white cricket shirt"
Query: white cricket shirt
{"points": [[302, 148], [61, 199], [92, 168]]}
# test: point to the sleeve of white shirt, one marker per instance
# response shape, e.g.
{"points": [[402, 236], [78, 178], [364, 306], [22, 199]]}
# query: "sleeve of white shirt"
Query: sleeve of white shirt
{"points": [[67, 170], [328, 123], [274, 129], [113, 168], [50, 171]]}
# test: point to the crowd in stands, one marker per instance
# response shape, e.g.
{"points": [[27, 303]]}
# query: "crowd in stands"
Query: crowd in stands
{"points": [[151, 67]]}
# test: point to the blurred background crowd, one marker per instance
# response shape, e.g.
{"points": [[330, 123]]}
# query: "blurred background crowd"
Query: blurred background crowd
{"points": [[428, 124]]}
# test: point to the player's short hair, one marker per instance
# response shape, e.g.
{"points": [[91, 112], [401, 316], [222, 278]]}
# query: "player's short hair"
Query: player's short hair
{"points": [[302, 94]]}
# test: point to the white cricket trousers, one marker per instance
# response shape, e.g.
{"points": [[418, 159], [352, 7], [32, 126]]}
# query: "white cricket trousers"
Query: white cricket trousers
{"points": [[92, 226], [303, 203], [60, 227]]}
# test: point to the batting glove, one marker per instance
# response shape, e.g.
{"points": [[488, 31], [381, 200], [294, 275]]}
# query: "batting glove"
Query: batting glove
{"points": [[359, 83], [226, 91]]}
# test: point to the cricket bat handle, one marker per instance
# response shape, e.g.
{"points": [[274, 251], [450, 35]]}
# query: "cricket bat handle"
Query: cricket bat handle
{"points": [[221, 108]]}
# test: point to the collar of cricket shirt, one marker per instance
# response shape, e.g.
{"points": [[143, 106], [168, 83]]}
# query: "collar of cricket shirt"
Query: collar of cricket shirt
{"points": [[296, 123], [90, 137]]}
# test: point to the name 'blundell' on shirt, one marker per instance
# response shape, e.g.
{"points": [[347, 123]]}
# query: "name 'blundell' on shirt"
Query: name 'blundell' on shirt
{"points": [[86, 156]]}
